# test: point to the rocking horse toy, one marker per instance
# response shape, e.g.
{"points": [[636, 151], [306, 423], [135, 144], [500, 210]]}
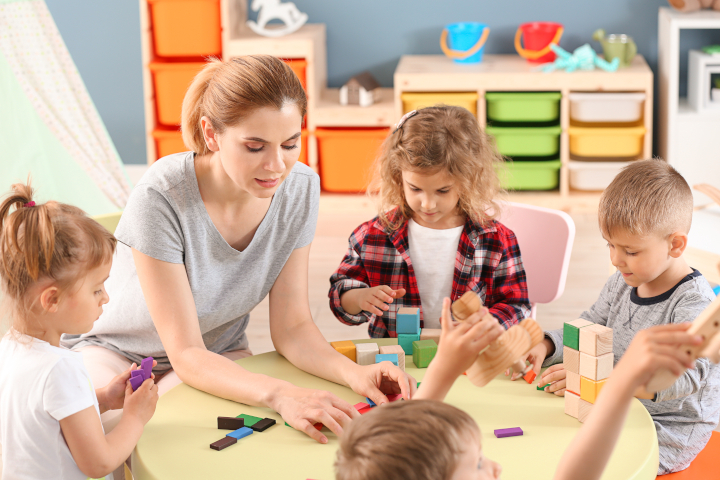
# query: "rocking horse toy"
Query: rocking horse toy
{"points": [[269, 10]]}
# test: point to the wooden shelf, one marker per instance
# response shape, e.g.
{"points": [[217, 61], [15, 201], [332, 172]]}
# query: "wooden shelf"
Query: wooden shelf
{"points": [[329, 113]]}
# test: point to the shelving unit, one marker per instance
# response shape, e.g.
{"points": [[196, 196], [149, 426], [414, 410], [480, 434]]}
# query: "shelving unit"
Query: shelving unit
{"points": [[688, 138], [510, 73]]}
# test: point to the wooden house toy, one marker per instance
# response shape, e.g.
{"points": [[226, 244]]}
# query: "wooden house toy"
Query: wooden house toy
{"points": [[362, 89]]}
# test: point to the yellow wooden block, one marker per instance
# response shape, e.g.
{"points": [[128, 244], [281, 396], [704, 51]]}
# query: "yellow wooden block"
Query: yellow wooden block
{"points": [[590, 389], [345, 347]]}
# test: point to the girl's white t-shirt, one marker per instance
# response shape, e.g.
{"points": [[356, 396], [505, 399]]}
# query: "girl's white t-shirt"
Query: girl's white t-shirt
{"points": [[40, 385], [432, 253]]}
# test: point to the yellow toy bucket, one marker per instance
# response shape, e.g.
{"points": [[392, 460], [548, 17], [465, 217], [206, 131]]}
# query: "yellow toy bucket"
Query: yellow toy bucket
{"points": [[538, 37]]}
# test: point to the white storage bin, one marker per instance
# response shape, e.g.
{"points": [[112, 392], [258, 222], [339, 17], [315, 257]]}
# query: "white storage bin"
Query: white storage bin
{"points": [[593, 176], [606, 107]]}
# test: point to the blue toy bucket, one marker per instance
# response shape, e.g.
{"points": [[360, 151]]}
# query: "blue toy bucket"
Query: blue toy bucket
{"points": [[466, 42]]}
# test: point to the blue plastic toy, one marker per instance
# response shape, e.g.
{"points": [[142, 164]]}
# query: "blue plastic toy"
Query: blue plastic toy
{"points": [[583, 58]]}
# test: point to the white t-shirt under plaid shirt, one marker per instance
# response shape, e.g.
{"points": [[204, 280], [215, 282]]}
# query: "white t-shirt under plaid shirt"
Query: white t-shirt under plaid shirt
{"points": [[40, 385]]}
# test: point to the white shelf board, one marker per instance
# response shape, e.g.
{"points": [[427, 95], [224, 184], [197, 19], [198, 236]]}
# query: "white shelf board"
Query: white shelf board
{"points": [[699, 19], [687, 113], [329, 113]]}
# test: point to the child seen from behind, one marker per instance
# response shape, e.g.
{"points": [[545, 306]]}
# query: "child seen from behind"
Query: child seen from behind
{"points": [[54, 261], [436, 235]]}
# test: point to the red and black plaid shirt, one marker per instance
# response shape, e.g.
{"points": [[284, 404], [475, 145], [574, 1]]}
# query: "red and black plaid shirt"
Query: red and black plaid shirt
{"points": [[487, 262]]}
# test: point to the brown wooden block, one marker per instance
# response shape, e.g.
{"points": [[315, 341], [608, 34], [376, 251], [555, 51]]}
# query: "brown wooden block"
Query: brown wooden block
{"points": [[572, 403], [223, 443], [263, 424], [596, 340], [346, 347], [571, 360], [583, 410], [390, 349], [572, 382], [430, 334], [230, 423], [596, 368]]}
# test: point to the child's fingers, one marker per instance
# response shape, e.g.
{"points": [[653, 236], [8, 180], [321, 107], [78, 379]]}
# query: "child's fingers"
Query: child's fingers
{"points": [[557, 386], [384, 294], [378, 302], [400, 292], [369, 307], [552, 373], [128, 389], [446, 323]]}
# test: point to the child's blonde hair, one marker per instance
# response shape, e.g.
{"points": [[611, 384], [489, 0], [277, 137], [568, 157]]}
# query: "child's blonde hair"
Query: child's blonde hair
{"points": [[49, 241], [646, 197], [435, 139], [226, 91], [414, 440]]}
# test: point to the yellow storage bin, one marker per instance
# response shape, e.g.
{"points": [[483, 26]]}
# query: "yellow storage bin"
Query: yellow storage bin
{"points": [[416, 101], [606, 142]]}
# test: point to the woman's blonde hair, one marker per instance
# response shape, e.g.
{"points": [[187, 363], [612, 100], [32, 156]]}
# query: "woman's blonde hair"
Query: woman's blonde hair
{"points": [[51, 241], [226, 91], [413, 440], [435, 139]]}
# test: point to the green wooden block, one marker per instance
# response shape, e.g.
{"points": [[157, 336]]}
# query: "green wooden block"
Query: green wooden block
{"points": [[418, 385], [571, 333], [249, 419], [423, 352], [543, 387], [405, 340]]}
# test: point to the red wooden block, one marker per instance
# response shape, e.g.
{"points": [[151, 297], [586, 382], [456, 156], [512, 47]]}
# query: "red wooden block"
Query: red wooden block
{"points": [[318, 426], [361, 405], [530, 376], [395, 397], [365, 410]]}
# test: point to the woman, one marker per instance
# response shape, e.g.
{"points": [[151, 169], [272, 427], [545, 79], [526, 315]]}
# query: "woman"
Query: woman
{"points": [[207, 235]]}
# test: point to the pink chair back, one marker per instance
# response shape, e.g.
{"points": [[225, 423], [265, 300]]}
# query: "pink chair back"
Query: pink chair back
{"points": [[545, 237]]}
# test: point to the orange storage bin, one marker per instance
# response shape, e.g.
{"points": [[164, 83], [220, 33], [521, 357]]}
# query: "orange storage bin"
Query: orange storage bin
{"points": [[304, 147], [186, 28], [171, 81], [168, 142], [346, 157], [298, 65]]}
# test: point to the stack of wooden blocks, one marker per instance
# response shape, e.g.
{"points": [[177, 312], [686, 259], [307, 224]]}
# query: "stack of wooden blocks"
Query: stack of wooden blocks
{"points": [[588, 360], [370, 353], [407, 327]]}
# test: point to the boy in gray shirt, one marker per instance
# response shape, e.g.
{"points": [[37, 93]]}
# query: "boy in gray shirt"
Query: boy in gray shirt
{"points": [[645, 216]]}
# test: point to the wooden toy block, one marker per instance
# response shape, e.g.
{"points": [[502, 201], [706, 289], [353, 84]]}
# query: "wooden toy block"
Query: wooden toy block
{"points": [[543, 387], [136, 381], [396, 349], [583, 410], [263, 424], [346, 347], [571, 332], [466, 305], [596, 368], [530, 376], [388, 357], [431, 334], [407, 321], [360, 405], [394, 397], [230, 423], [365, 410], [318, 426], [572, 382], [707, 324], [596, 340], [240, 433], [571, 360], [223, 443], [572, 404], [366, 353], [406, 340], [146, 366], [423, 352], [590, 389], [249, 419], [508, 432], [370, 402]]}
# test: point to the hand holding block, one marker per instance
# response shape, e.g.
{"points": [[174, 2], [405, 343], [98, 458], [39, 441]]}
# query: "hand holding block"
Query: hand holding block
{"points": [[707, 324], [596, 340]]}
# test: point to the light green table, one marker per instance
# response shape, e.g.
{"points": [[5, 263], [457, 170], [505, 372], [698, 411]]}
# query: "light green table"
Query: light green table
{"points": [[175, 444]]}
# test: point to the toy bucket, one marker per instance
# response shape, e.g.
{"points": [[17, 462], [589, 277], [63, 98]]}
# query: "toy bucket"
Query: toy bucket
{"points": [[538, 37], [467, 40]]}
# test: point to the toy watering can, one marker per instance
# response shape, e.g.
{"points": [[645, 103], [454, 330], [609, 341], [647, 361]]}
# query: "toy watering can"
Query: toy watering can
{"points": [[538, 38], [467, 40], [614, 46]]}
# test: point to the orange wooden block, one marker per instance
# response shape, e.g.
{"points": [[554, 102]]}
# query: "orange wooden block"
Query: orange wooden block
{"points": [[345, 347], [590, 389]]}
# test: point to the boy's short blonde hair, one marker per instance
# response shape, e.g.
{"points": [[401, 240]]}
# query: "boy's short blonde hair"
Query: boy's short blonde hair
{"points": [[648, 197], [415, 440]]}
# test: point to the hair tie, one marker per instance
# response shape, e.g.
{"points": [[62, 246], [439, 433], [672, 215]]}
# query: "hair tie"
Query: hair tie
{"points": [[29, 204], [404, 119]]}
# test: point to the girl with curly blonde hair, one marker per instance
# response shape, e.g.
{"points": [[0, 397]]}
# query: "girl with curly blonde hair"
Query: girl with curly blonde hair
{"points": [[435, 235]]}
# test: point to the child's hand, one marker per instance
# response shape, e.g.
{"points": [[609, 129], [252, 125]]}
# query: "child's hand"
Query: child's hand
{"points": [[654, 349], [141, 403], [536, 356], [556, 377], [112, 395], [374, 300]]}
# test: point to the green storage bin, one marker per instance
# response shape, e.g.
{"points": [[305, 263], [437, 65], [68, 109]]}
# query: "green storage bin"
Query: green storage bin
{"points": [[526, 141], [523, 106], [530, 175]]}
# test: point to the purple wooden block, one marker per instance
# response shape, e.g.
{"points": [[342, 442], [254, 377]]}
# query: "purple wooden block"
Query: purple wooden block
{"points": [[136, 381], [137, 373], [146, 366], [508, 432]]}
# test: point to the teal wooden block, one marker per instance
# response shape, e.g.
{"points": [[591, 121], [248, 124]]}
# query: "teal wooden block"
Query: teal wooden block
{"points": [[387, 357], [423, 352], [406, 341], [407, 321]]}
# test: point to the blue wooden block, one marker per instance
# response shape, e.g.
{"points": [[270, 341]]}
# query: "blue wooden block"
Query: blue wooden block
{"points": [[406, 341], [240, 433], [370, 402], [387, 357], [407, 321]]}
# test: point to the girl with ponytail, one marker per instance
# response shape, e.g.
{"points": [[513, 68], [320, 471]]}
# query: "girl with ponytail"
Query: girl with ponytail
{"points": [[54, 261], [208, 234]]}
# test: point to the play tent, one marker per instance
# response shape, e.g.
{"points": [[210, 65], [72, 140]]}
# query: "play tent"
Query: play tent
{"points": [[49, 127]]}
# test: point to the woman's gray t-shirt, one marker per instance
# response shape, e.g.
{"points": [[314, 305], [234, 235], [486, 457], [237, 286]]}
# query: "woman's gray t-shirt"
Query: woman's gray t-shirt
{"points": [[166, 219]]}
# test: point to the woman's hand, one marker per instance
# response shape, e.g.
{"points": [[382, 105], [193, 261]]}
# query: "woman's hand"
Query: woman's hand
{"points": [[112, 396], [381, 379], [302, 408], [375, 300]]}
